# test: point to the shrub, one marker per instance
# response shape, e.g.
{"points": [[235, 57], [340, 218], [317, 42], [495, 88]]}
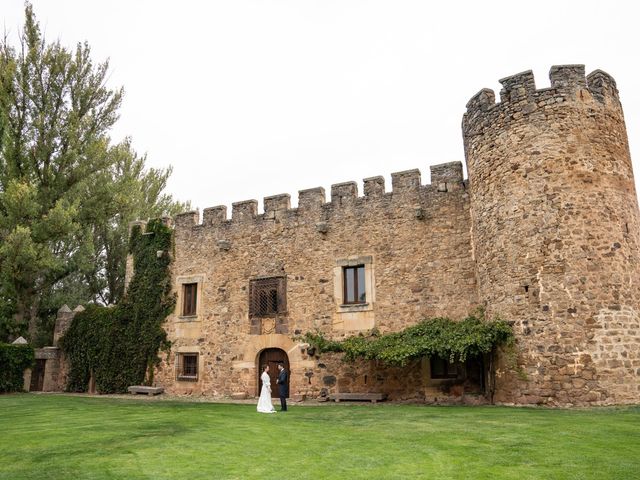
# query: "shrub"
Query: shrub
{"points": [[14, 360], [434, 337], [119, 345]]}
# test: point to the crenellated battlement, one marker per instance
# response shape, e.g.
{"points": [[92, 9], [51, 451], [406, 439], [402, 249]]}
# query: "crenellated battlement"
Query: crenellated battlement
{"points": [[602, 85], [447, 177], [343, 193], [405, 181], [214, 215], [552, 197], [545, 233], [517, 87], [519, 93]]}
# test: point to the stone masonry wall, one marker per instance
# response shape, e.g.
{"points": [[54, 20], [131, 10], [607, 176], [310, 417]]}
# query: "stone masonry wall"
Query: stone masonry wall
{"points": [[555, 235], [56, 368], [414, 242], [546, 234]]}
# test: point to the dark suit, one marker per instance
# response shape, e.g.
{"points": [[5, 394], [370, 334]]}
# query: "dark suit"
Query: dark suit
{"points": [[283, 388]]}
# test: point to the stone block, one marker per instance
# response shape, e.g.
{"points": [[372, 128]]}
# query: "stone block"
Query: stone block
{"points": [[135, 389]]}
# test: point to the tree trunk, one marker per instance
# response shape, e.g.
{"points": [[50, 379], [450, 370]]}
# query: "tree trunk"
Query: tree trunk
{"points": [[33, 323], [26, 317]]}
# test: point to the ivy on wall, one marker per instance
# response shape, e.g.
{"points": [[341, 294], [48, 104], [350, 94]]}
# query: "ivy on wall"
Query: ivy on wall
{"points": [[119, 345], [14, 360], [437, 337]]}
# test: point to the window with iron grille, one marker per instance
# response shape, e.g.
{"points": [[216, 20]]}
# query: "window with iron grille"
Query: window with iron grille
{"points": [[267, 297], [442, 368], [354, 285], [187, 367], [189, 298]]}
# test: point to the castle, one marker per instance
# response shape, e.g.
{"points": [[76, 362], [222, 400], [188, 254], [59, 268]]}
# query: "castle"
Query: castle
{"points": [[545, 233]]}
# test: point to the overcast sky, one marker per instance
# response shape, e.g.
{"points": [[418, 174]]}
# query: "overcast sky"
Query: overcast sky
{"points": [[247, 99]]}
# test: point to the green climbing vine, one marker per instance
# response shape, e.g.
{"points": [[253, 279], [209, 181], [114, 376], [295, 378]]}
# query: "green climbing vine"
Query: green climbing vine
{"points": [[441, 337], [14, 360], [119, 346]]}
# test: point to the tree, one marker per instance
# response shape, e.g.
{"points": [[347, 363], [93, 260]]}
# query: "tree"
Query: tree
{"points": [[66, 193], [126, 192]]}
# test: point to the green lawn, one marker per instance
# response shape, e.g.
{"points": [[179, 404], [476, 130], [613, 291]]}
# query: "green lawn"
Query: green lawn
{"points": [[72, 437]]}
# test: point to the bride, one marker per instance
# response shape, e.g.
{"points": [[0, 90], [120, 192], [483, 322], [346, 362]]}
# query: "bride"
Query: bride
{"points": [[264, 402]]}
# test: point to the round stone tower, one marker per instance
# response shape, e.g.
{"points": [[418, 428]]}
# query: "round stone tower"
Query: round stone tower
{"points": [[556, 235]]}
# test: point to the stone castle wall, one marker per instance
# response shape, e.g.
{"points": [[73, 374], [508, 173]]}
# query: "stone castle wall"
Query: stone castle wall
{"points": [[545, 234], [414, 242], [556, 234], [53, 365]]}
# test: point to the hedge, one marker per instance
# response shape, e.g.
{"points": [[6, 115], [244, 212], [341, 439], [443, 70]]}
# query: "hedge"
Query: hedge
{"points": [[119, 346], [14, 360]]}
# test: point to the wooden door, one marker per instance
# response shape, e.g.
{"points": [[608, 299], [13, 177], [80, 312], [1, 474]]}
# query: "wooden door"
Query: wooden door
{"points": [[37, 376], [272, 357]]}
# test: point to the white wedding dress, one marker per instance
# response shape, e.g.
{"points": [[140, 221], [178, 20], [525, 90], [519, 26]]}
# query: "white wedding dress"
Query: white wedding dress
{"points": [[264, 402]]}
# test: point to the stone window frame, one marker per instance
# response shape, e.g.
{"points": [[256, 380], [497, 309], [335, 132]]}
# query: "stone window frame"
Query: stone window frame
{"points": [[369, 280], [179, 364], [186, 280]]}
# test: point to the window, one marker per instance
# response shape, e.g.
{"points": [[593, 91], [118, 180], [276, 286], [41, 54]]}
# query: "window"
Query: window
{"points": [[354, 293], [267, 297], [189, 296], [187, 367], [190, 290], [354, 285], [442, 368]]}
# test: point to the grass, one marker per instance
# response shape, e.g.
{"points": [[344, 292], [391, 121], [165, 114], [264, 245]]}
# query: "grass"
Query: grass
{"points": [[74, 437]]}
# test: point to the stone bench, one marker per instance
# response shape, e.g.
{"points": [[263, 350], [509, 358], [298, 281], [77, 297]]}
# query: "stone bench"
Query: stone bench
{"points": [[145, 389], [359, 397]]}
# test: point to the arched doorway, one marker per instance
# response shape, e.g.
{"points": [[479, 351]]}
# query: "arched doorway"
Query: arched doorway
{"points": [[272, 357]]}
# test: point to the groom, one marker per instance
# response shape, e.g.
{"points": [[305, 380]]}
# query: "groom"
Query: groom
{"points": [[283, 387]]}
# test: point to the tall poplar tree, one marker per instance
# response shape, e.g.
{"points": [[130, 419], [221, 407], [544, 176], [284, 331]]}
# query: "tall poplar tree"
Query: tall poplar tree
{"points": [[66, 193]]}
